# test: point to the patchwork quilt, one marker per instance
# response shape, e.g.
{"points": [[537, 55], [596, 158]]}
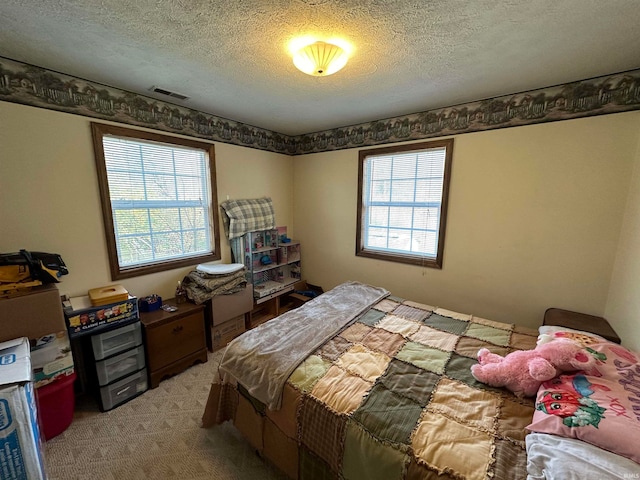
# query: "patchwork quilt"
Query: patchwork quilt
{"points": [[392, 397]]}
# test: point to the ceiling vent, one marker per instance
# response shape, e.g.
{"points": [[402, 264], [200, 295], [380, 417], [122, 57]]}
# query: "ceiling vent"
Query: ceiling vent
{"points": [[168, 93]]}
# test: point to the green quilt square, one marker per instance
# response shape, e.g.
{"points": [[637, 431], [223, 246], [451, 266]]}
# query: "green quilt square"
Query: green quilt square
{"points": [[309, 372], [459, 368], [428, 358], [409, 381], [447, 324], [257, 404], [497, 336], [372, 317], [367, 458], [387, 415], [313, 468], [395, 298]]}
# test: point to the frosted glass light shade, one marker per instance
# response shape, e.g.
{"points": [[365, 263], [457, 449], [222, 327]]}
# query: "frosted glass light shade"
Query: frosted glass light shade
{"points": [[320, 59]]}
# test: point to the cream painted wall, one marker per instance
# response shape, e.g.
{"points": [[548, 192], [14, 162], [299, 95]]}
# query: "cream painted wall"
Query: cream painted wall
{"points": [[535, 215], [50, 200], [623, 303], [534, 220]]}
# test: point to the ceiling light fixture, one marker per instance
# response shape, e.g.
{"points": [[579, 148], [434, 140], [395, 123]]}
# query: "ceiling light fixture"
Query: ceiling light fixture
{"points": [[320, 59]]}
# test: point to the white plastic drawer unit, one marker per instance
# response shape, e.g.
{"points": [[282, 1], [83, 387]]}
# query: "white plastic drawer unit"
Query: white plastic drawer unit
{"points": [[116, 341], [120, 365], [119, 392]]}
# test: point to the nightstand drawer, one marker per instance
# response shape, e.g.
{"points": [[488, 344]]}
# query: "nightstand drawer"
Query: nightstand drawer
{"points": [[174, 340]]}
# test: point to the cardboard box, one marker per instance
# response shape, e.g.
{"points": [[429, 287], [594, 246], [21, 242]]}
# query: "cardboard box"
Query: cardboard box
{"points": [[83, 318], [20, 444], [227, 331], [51, 358], [31, 314], [226, 307]]}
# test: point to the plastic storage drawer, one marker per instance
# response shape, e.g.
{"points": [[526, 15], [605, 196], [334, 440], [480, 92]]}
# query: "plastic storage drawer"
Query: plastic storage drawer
{"points": [[123, 390], [118, 366], [116, 341]]}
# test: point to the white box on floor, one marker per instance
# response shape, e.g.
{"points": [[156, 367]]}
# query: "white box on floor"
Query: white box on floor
{"points": [[51, 358], [20, 446]]}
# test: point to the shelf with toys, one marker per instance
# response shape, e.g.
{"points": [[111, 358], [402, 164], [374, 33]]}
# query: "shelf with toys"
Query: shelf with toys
{"points": [[273, 263]]}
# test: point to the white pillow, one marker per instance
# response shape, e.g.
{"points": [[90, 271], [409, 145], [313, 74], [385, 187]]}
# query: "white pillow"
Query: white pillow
{"points": [[550, 457], [219, 268]]}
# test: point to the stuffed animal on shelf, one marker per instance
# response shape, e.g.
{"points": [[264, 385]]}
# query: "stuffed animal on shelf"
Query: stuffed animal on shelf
{"points": [[523, 371]]}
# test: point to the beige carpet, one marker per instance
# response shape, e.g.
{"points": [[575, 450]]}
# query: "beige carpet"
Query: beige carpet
{"points": [[155, 436]]}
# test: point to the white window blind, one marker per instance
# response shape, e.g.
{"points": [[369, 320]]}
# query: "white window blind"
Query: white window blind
{"points": [[160, 200], [402, 201]]}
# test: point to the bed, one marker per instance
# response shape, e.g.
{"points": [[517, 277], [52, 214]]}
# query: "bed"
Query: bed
{"points": [[361, 384]]}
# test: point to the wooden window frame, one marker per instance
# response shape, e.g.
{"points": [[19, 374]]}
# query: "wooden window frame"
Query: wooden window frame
{"points": [[118, 272], [414, 259]]}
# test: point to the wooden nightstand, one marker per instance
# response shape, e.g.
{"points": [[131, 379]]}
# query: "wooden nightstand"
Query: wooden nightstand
{"points": [[580, 321], [174, 340]]}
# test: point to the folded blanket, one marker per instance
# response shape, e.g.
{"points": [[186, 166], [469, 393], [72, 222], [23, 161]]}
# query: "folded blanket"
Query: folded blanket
{"points": [[201, 287], [262, 359]]}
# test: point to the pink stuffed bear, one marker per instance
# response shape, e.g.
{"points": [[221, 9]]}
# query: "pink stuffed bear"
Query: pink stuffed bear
{"points": [[523, 371]]}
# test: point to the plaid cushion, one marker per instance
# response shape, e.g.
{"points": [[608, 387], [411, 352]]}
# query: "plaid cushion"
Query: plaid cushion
{"points": [[250, 215]]}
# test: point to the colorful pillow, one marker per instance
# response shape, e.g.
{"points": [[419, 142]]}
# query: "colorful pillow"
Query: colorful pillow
{"points": [[601, 407], [585, 339]]}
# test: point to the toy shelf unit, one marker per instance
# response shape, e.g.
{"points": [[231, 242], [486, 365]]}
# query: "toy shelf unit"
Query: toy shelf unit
{"points": [[272, 261]]}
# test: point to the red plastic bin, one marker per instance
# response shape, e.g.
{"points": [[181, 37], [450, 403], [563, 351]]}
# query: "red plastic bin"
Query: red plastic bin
{"points": [[56, 402]]}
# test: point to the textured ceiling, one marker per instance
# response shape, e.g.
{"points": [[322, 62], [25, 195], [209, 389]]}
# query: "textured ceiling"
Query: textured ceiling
{"points": [[231, 57]]}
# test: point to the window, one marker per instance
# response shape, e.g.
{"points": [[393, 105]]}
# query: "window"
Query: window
{"points": [[159, 200], [402, 202]]}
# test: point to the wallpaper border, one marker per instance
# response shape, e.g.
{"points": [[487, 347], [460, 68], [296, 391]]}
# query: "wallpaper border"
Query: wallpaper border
{"points": [[31, 85], [597, 96], [38, 87]]}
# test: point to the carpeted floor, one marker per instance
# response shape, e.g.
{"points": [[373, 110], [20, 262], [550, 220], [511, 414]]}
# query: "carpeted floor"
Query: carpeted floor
{"points": [[155, 436]]}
